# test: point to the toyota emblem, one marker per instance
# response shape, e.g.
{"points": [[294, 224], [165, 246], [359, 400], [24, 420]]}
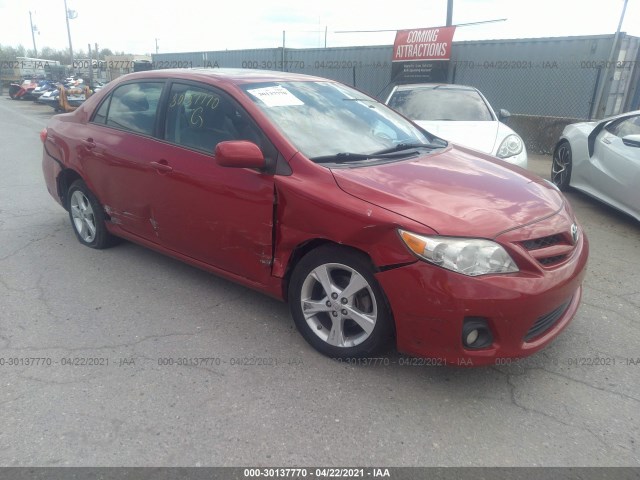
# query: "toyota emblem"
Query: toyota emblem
{"points": [[574, 233]]}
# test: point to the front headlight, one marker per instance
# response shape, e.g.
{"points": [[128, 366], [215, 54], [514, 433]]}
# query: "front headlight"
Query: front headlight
{"points": [[510, 146], [469, 256]]}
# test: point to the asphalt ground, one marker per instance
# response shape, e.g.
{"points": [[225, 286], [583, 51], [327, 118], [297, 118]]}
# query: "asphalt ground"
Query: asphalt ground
{"points": [[264, 397]]}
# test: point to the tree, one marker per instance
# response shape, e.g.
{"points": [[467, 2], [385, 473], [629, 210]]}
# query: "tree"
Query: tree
{"points": [[104, 52]]}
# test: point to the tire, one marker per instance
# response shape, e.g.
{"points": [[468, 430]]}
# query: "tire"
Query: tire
{"points": [[87, 217], [561, 165], [13, 92], [356, 325]]}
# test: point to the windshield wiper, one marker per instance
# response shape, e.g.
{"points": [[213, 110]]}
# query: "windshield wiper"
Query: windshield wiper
{"points": [[372, 100], [342, 157], [404, 146], [346, 157]]}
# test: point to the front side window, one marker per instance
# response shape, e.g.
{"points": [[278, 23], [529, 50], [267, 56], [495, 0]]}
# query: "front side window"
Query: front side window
{"points": [[441, 103], [201, 117], [630, 126], [132, 107]]}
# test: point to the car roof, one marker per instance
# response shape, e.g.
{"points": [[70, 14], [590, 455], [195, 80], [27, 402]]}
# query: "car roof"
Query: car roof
{"points": [[231, 75], [451, 86], [631, 113]]}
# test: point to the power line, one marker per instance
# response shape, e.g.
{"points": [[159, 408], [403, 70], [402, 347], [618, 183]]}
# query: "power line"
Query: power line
{"points": [[422, 28]]}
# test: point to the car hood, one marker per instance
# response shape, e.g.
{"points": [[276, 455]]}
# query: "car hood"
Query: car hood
{"points": [[477, 135], [454, 192]]}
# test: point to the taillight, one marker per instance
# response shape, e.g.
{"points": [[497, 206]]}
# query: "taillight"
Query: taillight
{"points": [[43, 135]]}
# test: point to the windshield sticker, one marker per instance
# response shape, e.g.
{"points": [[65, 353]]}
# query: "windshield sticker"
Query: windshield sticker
{"points": [[276, 96]]}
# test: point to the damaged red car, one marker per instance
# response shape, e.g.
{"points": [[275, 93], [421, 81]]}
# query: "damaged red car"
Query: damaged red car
{"points": [[372, 229]]}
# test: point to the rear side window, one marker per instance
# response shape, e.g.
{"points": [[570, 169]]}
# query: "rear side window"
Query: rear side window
{"points": [[131, 107], [101, 114]]}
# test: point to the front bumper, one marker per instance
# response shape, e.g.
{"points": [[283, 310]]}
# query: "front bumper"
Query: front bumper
{"points": [[430, 305]]}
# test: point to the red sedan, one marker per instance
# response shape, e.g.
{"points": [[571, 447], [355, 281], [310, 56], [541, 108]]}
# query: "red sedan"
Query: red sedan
{"points": [[370, 227]]}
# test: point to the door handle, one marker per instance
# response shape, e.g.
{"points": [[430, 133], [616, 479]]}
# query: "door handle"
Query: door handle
{"points": [[162, 166], [606, 140], [89, 143]]}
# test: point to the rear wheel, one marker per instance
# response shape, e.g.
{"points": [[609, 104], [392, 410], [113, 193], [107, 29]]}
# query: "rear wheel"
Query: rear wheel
{"points": [[561, 165], [337, 304], [87, 217]]}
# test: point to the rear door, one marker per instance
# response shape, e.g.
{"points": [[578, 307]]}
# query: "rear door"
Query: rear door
{"points": [[117, 155]]}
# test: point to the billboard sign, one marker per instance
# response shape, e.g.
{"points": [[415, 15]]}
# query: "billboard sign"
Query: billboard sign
{"points": [[423, 44], [421, 55]]}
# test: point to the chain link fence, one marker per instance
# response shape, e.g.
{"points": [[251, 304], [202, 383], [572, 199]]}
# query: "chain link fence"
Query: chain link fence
{"points": [[554, 90], [542, 99]]}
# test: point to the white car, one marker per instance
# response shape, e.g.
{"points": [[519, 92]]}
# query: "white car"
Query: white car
{"points": [[602, 159], [462, 115]]}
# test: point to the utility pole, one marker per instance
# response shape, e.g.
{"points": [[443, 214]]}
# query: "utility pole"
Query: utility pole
{"points": [[157, 46], [98, 71], [603, 97], [33, 35], [90, 66], [449, 13], [66, 16]]}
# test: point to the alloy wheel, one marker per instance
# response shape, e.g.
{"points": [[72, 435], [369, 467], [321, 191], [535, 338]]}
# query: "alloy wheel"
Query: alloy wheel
{"points": [[339, 305], [84, 220]]}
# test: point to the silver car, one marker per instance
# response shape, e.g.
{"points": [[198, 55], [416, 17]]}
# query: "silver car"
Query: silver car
{"points": [[602, 159]]}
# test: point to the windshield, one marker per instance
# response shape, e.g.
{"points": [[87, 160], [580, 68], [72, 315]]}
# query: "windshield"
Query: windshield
{"points": [[323, 119], [441, 103]]}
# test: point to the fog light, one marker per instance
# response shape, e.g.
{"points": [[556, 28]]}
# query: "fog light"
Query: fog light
{"points": [[472, 337], [476, 333]]}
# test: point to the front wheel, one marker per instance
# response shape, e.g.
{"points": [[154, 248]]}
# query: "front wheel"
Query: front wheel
{"points": [[87, 217], [337, 304], [561, 166]]}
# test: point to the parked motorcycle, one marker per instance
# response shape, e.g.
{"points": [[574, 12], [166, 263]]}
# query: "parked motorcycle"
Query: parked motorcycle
{"points": [[51, 98], [43, 87], [22, 90]]}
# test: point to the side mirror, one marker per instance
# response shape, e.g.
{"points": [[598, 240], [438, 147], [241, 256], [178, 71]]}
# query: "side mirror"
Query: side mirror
{"points": [[239, 154], [503, 114], [631, 140]]}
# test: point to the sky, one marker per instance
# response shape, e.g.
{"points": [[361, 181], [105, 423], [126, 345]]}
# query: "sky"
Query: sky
{"points": [[200, 25]]}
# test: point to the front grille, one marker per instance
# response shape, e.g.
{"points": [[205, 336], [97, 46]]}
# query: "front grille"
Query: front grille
{"points": [[551, 250], [548, 261], [542, 242], [545, 322]]}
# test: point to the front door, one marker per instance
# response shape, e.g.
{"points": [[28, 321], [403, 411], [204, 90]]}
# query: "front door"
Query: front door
{"points": [[218, 215]]}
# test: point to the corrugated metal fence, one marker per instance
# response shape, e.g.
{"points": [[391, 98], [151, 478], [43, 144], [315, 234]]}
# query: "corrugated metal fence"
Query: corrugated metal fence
{"points": [[558, 77]]}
